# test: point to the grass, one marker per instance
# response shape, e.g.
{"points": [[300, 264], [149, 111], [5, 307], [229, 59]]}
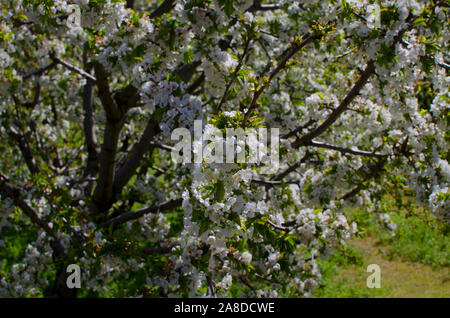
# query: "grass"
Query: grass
{"points": [[414, 262], [418, 242]]}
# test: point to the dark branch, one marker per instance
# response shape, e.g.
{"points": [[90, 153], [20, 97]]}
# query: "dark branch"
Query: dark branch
{"points": [[73, 68], [165, 7], [347, 150], [24, 145], [288, 55], [138, 151], [133, 215], [7, 190], [186, 71], [299, 129], [114, 114], [40, 71], [374, 171], [370, 68], [157, 250], [233, 77]]}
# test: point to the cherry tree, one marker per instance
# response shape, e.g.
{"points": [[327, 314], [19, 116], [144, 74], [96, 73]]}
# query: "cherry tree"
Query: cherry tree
{"points": [[91, 91]]}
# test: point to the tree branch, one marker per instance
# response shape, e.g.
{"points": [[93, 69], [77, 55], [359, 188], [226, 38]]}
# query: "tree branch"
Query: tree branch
{"points": [[89, 129], [370, 68], [7, 190], [186, 71], [24, 146], [133, 215], [114, 114], [40, 71], [292, 51], [373, 172], [165, 7], [298, 129], [257, 6], [157, 250], [233, 77], [73, 68], [283, 174], [347, 150], [125, 172], [162, 146]]}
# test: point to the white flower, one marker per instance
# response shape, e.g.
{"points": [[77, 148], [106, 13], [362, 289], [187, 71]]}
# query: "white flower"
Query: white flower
{"points": [[246, 258]]}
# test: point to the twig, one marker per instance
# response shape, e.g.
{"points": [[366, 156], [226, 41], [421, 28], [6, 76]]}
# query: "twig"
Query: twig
{"points": [[41, 71], [370, 68], [348, 150], [233, 77], [73, 68], [291, 52], [133, 215]]}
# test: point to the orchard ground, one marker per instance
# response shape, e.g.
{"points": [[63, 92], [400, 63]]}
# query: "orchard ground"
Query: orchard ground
{"points": [[414, 262]]}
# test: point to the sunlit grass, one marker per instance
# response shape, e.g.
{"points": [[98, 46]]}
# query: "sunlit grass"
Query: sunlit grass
{"points": [[414, 262]]}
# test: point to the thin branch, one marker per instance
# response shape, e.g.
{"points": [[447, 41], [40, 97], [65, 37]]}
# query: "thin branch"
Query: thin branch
{"points": [[64, 169], [373, 173], [7, 190], [283, 174], [347, 150], [162, 146], [133, 215], [370, 69], [233, 77], [266, 182], [196, 84], [298, 129], [211, 289], [272, 183], [40, 71], [444, 65], [74, 68], [247, 283], [278, 227], [257, 6], [186, 71], [349, 109], [157, 250], [37, 94], [288, 171], [19, 23], [291, 52], [359, 16], [24, 145]]}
